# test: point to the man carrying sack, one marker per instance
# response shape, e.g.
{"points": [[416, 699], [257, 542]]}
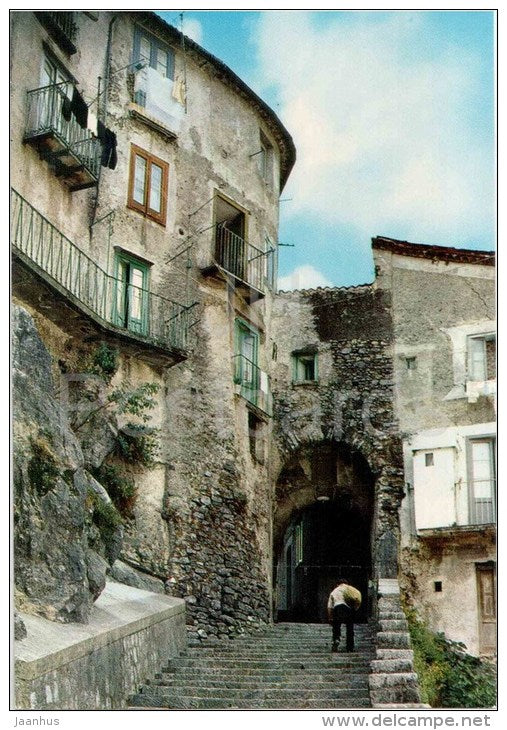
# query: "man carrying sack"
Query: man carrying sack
{"points": [[344, 601]]}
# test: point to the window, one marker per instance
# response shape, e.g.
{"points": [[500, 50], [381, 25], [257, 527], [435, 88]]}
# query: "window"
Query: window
{"points": [[148, 182], [437, 585], [131, 295], [154, 52], [481, 475], [482, 358], [411, 363], [304, 367], [429, 459], [246, 347]]}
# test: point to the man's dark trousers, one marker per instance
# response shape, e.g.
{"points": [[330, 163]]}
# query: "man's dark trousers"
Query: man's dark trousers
{"points": [[342, 614]]}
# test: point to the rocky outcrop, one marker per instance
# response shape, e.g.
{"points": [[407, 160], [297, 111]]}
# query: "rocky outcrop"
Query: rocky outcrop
{"points": [[57, 574]]}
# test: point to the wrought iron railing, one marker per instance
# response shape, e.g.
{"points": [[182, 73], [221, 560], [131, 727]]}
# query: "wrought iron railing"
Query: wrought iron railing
{"points": [[254, 384], [45, 249], [483, 509], [244, 261], [62, 26], [45, 116]]}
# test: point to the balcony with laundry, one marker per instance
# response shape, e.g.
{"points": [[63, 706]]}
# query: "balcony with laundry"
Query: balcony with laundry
{"points": [[58, 126], [77, 294], [253, 384]]}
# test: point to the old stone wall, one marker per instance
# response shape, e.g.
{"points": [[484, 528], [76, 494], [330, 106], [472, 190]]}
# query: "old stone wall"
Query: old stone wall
{"points": [[352, 400], [97, 667]]}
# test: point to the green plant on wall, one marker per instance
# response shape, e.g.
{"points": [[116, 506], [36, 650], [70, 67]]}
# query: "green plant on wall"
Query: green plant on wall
{"points": [[136, 442], [119, 486], [448, 676]]}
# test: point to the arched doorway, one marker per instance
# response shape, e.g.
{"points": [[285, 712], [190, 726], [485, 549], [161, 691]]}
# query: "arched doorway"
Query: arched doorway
{"points": [[322, 530]]}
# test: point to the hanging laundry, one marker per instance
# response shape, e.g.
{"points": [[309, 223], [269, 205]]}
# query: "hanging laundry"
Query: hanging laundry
{"points": [[79, 109], [66, 109], [179, 91], [108, 141], [92, 123]]}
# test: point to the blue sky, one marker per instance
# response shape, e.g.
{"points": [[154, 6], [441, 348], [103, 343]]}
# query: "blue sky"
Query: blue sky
{"points": [[392, 114]]}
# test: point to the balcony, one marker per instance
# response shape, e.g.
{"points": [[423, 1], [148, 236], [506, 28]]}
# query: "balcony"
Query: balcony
{"points": [[154, 326], [248, 266], [71, 151], [253, 384], [61, 27]]}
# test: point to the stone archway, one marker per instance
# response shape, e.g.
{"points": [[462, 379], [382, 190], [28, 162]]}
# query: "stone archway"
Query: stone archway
{"points": [[323, 529]]}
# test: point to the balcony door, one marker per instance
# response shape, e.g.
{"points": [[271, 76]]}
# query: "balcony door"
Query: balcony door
{"points": [[481, 470], [246, 369], [131, 297], [47, 113], [230, 235]]}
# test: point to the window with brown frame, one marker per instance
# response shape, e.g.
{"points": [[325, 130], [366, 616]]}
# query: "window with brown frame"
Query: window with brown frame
{"points": [[148, 184]]}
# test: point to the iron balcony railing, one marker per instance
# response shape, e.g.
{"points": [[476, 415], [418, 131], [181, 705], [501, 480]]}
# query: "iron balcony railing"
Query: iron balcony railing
{"points": [[245, 262], [45, 117], [62, 26], [254, 384], [158, 320], [483, 508]]}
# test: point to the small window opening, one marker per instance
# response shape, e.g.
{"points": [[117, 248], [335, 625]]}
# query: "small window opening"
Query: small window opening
{"points": [[438, 586], [305, 368], [428, 459], [411, 363]]}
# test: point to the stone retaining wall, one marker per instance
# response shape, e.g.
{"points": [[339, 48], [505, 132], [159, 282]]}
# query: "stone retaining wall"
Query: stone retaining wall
{"points": [[96, 666]]}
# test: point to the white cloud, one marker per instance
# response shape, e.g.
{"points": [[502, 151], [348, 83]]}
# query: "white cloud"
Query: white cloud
{"points": [[303, 277], [193, 29], [382, 126]]}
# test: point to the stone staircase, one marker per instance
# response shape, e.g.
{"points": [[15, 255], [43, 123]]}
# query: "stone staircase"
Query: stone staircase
{"points": [[393, 682], [286, 666]]}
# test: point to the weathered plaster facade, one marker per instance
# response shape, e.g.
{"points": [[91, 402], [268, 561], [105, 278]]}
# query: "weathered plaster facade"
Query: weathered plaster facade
{"points": [[202, 514], [441, 298]]}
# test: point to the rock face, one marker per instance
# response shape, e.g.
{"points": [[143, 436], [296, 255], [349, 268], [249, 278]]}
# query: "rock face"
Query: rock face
{"points": [[57, 575]]}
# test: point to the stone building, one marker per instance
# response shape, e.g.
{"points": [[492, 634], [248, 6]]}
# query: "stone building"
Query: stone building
{"points": [[293, 429], [443, 311], [146, 178]]}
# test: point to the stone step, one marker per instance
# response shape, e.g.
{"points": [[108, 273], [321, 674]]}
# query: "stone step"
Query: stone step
{"points": [[208, 703], [266, 682], [395, 679], [389, 614], [381, 666], [385, 653], [287, 667], [256, 692], [393, 624], [233, 662], [395, 695], [393, 640], [275, 673]]}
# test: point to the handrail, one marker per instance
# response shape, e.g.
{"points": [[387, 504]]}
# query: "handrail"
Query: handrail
{"points": [[139, 311]]}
